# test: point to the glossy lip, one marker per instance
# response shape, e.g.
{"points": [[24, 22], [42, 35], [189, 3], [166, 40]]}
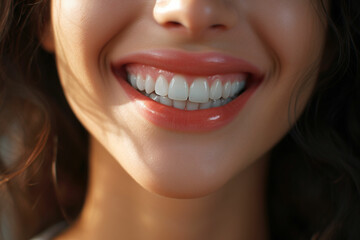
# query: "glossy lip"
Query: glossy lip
{"points": [[198, 64]]}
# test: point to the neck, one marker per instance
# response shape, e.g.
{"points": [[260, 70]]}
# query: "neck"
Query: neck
{"points": [[117, 206]]}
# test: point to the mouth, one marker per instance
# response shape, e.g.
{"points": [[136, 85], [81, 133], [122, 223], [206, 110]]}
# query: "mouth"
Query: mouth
{"points": [[187, 92]]}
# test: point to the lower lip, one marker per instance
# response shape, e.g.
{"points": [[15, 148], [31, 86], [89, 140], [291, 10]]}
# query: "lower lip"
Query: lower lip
{"points": [[184, 120]]}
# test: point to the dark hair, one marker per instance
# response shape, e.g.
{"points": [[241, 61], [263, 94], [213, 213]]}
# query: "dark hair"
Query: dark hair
{"points": [[314, 180], [40, 180]]}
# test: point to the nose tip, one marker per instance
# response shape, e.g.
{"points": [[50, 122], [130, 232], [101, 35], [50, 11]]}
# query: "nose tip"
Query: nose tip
{"points": [[194, 16]]}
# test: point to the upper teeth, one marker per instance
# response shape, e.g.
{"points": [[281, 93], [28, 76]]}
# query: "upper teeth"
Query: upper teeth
{"points": [[204, 92], [178, 89]]}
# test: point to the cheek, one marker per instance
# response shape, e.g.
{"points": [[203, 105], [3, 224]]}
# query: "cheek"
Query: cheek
{"points": [[92, 22], [80, 35], [84, 27], [293, 34], [288, 34], [291, 30]]}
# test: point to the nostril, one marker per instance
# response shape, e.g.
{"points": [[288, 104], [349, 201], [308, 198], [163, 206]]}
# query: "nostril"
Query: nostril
{"points": [[218, 26], [173, 24]]}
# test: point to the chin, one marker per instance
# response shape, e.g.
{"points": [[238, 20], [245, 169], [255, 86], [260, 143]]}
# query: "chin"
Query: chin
{"points": [[185, 176], [182, 187]]}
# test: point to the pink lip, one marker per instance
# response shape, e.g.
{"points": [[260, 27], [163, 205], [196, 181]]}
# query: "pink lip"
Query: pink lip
{"points": [[198, 64]]}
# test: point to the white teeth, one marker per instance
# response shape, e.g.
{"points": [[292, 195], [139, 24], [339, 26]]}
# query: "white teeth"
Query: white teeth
{"points": [[179, 104], [216, 90], [132, 80], [236, 87], [205, 105], [166, 101], [192, 106], [149, 84], [226, 90], [199, 91], [161, 86], [178, 94], [140, 82], [178, 89], [155, 97], [216, 103]]}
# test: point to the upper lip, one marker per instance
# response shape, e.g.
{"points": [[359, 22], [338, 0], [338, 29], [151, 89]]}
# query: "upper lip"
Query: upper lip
{"points": [[191, 63]]}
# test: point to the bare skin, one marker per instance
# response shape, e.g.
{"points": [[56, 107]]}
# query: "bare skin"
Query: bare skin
{"points": [[236, 211], [148, 182]]}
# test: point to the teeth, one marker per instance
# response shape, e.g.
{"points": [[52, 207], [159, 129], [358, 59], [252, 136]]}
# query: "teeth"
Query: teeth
{"points": [[179, 104], [242, 85], [205, 105], [132, 80], [155, 97], [161, 86], [166, 101], [216, 103], [149, 84], [140, 82], [178, 94], [199, 91], [187, 104], [236, 87], [226, 90], [192, 106], [216, 90], [178, 89]]}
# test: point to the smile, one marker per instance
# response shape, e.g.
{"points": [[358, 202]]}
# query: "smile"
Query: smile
{"points": [[184, 91], [187, 92]]}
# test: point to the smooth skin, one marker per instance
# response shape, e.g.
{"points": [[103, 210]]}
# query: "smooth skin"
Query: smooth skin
{"points": [[151, 183]]}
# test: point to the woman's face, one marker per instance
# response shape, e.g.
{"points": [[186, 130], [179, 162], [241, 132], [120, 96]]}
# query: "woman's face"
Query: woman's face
{"points": [[189, 54]]}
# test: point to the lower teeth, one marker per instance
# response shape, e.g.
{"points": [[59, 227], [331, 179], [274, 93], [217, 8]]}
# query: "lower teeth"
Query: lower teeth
{"points": [[188, 105]]}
